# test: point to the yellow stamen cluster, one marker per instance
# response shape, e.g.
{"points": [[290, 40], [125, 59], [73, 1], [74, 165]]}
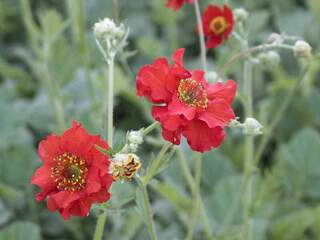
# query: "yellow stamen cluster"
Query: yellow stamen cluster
{"points": [[125, 166], [69, 172], [218, 25], [192, 93]]}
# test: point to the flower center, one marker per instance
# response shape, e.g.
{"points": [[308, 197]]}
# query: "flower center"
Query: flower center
{"points": [[192, 93], [69, 172], [218, 25]]}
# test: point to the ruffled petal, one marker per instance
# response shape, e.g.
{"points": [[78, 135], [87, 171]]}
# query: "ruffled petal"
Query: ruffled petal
{"points": [[151, 81], [49, 148], [201, 138], [172, 136], [177, 56], [221, 90], [42, 178], [176, 107], [169, 121], [218, 113]]}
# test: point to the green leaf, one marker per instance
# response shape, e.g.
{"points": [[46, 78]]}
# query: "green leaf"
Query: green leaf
{"points": [[224, 202], [298, 164], [293, 226], [216, 166], [21, 231]]}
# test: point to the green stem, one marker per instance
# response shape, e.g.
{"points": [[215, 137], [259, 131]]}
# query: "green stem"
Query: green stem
{"points": [[245, 53], [276, 119], [109, 103], [195, 196], [100, 226], [201, 36], [108, 122], [249, 148], [191, 184], [150, 128], [147, 208]]}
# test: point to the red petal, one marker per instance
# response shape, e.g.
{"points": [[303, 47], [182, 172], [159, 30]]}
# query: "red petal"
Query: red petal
{"points": [[201, 138], [177, 56], [218, 113], [172, 136], [49, 148], [224, 91], [151, 81], [64, 198], [93, 181], [174, 4], [213, 41], [176, 107], [211, 12], [168, 121], [42, 178]]}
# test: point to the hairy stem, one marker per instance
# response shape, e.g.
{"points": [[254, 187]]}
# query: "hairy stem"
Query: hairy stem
{"points": [[191, 184], [109, 132], [147, 208], [108, 123], [100, 226], [195, 196], [249, 150], [245, 53], [150, 128], [201, 36]]}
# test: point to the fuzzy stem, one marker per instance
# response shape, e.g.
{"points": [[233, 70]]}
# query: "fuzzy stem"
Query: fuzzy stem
{"points": [[108, 127], [189, 178], [245, 53], [147, 207], [201, 35], [151, 127], [249, 148], [108, 122], [100, 226], [195, 196]]}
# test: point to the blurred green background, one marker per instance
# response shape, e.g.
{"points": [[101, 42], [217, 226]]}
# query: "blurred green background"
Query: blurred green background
{"points": [[49, 61]]}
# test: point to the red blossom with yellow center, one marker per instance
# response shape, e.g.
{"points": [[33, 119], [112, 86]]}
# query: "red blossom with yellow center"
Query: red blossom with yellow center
{"points": [[185, 104], [177, 4], [74, 174], [218, 23]]}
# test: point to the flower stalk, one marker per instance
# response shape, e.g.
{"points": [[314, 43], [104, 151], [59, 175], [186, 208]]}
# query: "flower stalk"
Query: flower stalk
{"points": [[147, 208], [201, 36], [249, 151], [195, 196]]}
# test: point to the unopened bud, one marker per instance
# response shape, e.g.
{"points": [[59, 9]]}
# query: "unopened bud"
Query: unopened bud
{"points": [[240, 14], [270, 58], [275, 38], [135, 137], [252, 127], [302, 49]]}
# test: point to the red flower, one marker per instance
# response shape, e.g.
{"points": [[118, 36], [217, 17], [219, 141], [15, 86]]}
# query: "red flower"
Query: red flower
{"points": [[217, 24], [74, 174], [185, 104], [177, 4]]}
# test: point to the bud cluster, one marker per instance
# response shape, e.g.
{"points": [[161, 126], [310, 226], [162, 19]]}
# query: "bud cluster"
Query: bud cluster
{"points": [[250, 126], [110, 37]]}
